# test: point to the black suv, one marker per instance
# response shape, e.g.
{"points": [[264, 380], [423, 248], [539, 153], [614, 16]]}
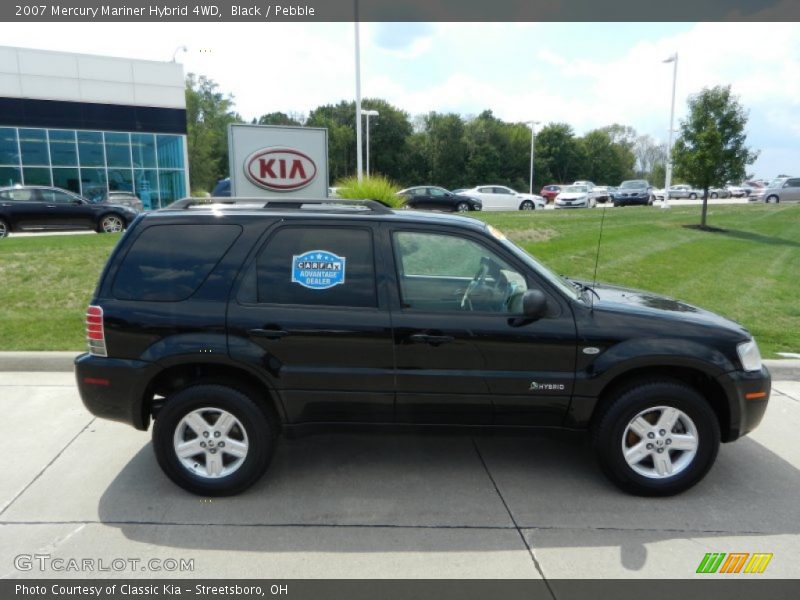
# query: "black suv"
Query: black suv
{"points": [[230, 320]]}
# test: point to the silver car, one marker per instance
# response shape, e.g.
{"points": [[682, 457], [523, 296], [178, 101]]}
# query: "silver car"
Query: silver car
{"points": [[782, 189]]}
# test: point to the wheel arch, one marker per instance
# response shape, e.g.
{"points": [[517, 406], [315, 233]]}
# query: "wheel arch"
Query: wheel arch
{"points": [[701, 381], [183, 375]]}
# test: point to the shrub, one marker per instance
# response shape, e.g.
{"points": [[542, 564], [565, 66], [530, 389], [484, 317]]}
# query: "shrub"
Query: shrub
{"points": [[376, 187]]}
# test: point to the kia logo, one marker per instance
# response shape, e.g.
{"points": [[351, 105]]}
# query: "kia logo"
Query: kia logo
{"points": [[280, 169]]}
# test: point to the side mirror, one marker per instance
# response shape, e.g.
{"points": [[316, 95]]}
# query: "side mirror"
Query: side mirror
{"points": [[534, 304]]}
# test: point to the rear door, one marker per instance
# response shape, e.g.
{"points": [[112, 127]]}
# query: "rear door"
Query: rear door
{"points": [[791, 193], [490, 200], [310, 314], [25, 207], [506, 198]]}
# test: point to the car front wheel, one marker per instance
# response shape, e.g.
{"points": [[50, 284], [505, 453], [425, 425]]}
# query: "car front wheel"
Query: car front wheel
{"points": [[213, 440], [772, 200], [656, 439], [527, 205], [462, 207], [4, 229], [111, 224]]}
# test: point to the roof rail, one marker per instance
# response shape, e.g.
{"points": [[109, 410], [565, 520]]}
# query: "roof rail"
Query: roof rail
{"points": [[374, 206]]}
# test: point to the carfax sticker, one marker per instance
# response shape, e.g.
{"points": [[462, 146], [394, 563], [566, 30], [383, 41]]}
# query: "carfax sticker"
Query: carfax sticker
{"points": [[318, 269]]}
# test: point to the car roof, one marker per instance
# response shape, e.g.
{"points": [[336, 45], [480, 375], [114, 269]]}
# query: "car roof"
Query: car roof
{"points": [[206, 208]]}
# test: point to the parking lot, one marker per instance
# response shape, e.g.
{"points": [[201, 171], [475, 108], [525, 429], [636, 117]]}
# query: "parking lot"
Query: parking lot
{"points": [[443, 506]]}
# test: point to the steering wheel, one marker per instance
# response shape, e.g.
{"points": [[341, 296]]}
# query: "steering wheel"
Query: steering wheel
{"points": [[480, 277]]}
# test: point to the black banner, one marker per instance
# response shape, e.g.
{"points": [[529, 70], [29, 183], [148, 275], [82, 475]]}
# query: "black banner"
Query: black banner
{"points": [[398, 10]]}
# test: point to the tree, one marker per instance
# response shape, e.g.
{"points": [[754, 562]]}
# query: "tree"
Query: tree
{"points": [[560, 154], [711, 150], [277, 118], [445, 150], [208, 114], [606, 161], [651, 157]]}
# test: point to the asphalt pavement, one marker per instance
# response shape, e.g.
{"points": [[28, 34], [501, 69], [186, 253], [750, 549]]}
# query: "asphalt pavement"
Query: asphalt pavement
{"points": [[378, 506]]}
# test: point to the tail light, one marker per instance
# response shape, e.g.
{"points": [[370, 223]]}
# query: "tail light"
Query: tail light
{"points": [[95, 333]]}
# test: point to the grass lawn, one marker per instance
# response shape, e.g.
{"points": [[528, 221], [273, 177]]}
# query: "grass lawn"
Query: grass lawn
{"points": [[750, 273]]}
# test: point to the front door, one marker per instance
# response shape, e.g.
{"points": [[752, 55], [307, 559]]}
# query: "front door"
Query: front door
{"points": [[308, 313], [464, 354]]}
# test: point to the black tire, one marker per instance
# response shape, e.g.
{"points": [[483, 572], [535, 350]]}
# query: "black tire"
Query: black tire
{"points": [[259, 432], [5, 229], [102, 223], [527, 205], [772, 200], [714, 196], [609, 435], [692, 196], [462, 207]]}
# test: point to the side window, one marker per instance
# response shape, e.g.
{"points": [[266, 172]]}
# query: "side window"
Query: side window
{"points": [[20, 195], [317, 266], [57, 197], [793, 183], [169, 263], [446, 273], [437, 192], [485, 190], [500, 190]]}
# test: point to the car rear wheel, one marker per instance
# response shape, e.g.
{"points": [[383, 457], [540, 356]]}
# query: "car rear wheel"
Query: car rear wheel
{"points": [[462, 207], [4, 229], [772, 200], [692, 196], [656, 439], [111, 224], [213, 440], [527, 205], [714, 195]]}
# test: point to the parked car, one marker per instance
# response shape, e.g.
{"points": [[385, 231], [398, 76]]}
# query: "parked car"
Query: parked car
{"points": [[437, 198], [222, 189], [32, 208], [575, 196], [549, 192], [781, 189], [500, 197], [633, 191], [678, 191], [274, 320], [715, 193], [737, 191], [602, 193], [122, 198]]}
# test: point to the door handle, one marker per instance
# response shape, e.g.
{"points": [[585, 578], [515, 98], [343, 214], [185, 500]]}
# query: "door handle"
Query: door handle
{"points": [[433, 340], [270, 334]]}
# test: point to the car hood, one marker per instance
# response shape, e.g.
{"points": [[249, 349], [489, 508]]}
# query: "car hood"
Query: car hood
{"points": [[572, 195], [637, 191], [650, 304]]}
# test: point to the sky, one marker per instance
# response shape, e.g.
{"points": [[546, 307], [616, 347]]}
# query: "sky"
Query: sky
{"points": [[586, 74]]}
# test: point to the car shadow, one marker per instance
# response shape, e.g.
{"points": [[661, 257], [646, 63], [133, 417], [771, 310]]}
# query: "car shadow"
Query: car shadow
{"points": [[367, 492]]}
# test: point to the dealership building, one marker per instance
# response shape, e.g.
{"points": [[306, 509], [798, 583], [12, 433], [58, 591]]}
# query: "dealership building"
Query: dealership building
{"points": [[93, 124]]}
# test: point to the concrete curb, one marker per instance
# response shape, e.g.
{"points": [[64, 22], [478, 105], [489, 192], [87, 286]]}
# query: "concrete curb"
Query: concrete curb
{"points": [[781, 369]]}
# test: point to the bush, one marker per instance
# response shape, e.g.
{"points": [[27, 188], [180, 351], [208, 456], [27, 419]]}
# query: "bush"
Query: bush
{"points": [[376, 187]]}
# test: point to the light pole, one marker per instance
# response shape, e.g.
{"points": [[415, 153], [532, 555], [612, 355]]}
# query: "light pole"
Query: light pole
{"points": [[368, 114], [532, 125], [668, 179], [178, 49], [359, 158]]}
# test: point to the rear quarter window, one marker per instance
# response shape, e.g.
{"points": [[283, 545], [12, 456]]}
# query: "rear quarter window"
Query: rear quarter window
{"points": [[169, 263]]}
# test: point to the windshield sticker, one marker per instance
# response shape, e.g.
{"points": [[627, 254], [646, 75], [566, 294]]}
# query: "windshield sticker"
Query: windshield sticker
{"points": [[318, 269]]}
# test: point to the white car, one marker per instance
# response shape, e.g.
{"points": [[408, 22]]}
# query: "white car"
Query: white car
{"points": [[575, 196], [500, 197]]}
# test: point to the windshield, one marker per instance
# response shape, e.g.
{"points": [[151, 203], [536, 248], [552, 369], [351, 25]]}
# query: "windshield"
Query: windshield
{"points": [[777, 183], [574, 189], [556, 280], [627, 185]]}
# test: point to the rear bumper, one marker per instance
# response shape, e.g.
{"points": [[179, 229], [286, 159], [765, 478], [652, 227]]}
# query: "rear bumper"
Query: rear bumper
{"points": [[115, 389], [748, 396]]}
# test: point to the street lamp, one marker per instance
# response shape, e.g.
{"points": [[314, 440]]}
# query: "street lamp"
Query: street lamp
{"points": [[668, 179], [368, 114], [178, 49], [359, 159], [532, 125]]}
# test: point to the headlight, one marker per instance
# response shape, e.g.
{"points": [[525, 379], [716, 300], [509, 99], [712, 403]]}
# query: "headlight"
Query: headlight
{"points": [[749, 355]]}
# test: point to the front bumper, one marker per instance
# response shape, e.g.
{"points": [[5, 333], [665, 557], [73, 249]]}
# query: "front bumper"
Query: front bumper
{"points": [[114, 388], [629, 200], [748, 396]]}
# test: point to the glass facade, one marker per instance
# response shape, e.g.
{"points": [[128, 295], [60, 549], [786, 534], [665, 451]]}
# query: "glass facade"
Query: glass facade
{"points": [[91, 163]]}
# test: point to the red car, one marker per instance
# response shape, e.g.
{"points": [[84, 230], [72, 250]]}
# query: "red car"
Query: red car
{"points": [[549, 192]]}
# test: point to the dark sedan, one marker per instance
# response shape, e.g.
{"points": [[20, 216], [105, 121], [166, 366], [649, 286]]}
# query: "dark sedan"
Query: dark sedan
{"points": [[37, 208], [437, 198], [632, 192]]}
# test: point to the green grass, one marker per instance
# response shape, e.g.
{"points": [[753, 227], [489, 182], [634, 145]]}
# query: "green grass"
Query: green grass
{"points": [[749, 273]]}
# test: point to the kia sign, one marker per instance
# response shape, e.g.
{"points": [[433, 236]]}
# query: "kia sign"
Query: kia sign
{"points": [[280, 169], [268, 160]]}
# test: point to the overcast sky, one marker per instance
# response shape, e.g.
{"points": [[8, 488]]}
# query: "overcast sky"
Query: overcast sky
{"points": [[588, 75]]}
